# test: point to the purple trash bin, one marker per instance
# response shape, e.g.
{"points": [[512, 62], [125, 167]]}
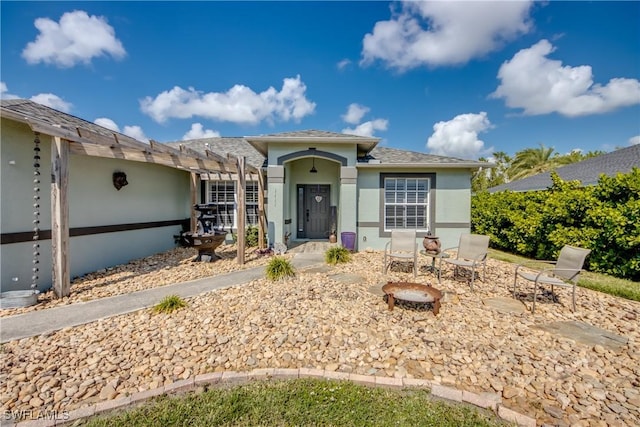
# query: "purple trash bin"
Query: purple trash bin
{"points": [[348, 240]]}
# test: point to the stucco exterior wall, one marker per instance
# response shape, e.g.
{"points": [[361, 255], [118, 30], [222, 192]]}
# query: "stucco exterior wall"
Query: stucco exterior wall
{"points": [[277, 150], [328, 174], [154, 193], [451, 210], [282, 197]]}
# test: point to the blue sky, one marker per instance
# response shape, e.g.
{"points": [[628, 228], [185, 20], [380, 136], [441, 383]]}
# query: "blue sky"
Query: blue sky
{"points": [[464, 79]]}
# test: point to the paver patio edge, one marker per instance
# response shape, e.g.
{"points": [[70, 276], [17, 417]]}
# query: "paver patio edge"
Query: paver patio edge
{"points": [[237, 378]]}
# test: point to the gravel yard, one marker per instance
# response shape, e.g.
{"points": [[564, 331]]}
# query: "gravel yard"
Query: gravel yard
{"points": [[333, 318]]}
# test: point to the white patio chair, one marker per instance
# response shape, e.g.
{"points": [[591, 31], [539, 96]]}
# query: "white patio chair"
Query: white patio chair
{"points": [[402, 246], [565, 273], [472, 253]]}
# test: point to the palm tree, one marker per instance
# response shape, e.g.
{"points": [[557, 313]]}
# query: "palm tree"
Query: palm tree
{"points": [[485, 178], [532, 161]]}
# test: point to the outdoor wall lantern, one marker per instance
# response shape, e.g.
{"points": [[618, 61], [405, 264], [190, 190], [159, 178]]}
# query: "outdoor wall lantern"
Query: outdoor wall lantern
{"points": [[119, 180]]}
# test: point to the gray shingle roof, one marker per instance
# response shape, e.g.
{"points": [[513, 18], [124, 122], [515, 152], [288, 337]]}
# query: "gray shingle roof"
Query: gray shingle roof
{"points": [[236, 146], [313, 133], [587, 171], [230, 146], [33, 110], [388, 155]]}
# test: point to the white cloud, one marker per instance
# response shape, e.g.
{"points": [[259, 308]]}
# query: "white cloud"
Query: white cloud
{"points": [[107, 123], [355, 113], [634, 140], [197, 131], [239, 104], [343, 64], [437, 33], [368, 128], [4, 92], [540, 85], [459, 136], [52, 101], [135, 132], [77, 38]]}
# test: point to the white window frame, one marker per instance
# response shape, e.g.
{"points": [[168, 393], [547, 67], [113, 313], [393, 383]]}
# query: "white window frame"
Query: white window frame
{"points": [[403, 194], [226, 195]]}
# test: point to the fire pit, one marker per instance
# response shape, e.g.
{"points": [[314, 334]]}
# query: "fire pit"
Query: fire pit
{"points": [[415, 292], [207, 238]]}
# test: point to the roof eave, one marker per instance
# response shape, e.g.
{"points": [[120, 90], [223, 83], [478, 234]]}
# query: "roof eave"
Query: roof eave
{"points": [[465, 165]]}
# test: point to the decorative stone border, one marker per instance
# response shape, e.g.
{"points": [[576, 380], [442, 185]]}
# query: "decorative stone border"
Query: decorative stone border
{"points": [[485, 400]]}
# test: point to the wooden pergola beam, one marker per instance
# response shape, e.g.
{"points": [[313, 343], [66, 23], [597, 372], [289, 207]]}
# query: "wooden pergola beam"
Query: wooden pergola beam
{"points": [[94, 144]]}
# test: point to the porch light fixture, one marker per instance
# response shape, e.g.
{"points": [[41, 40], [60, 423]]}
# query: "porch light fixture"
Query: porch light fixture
{"points": [[313, 168]]}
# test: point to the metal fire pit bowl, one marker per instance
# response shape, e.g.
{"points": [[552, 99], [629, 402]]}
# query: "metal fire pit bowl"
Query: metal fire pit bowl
{"points": [[15, 299], [414, 292]]}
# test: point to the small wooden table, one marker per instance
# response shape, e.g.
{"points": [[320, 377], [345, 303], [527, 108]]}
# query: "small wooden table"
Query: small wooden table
{"points": [[415, 292]]}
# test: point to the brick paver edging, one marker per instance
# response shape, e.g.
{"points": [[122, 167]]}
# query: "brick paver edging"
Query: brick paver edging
{"points": [[487, 400]]}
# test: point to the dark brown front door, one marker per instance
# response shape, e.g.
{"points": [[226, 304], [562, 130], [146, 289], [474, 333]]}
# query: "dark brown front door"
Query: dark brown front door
{"points": [[313, 215]]}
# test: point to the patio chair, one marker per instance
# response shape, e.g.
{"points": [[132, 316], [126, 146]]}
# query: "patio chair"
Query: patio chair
{"points": [[472, 253], [402, 246], [565, 273]]}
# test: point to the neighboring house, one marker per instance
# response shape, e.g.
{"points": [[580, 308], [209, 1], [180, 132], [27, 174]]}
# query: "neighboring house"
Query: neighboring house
{"points": [[318, 181], [587, 171]]}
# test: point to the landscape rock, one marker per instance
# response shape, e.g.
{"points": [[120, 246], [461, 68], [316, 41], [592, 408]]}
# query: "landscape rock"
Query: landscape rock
{"points": [[313, 321]]}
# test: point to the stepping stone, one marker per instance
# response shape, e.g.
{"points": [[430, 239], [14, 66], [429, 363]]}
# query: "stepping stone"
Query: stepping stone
{"points": [[377, 289], [318, 269], [347, 278], [505, 305], [585, 333]]}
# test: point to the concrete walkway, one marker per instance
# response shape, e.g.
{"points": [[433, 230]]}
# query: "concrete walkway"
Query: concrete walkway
{"points": [[44, 321]]}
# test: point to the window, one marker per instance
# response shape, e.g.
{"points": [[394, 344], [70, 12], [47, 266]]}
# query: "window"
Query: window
{"points": [[406, 203], [251, 201], [223, 195]]}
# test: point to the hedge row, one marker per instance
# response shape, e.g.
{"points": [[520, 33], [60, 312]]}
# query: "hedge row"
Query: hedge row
{"points": [[604, 218]]}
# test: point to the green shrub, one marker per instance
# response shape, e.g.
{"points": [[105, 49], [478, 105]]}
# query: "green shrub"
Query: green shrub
{"points": [[250, 236], [337, 254], [279, 268], [537, 224], [169, 304]]}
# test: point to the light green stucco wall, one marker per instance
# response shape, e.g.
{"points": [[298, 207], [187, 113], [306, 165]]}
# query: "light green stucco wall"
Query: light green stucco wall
{"points": [[452, 205], [283, 202], [358, 203], [328, 174], [154, 193]]}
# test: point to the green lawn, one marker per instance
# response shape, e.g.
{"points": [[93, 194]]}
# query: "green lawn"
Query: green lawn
{"points": [[304, 402], [598, 282]]}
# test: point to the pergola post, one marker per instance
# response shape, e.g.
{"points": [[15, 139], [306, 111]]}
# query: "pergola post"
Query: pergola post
{"points": [[60, 216], [193, 188], [262, 226], [241, 208]]}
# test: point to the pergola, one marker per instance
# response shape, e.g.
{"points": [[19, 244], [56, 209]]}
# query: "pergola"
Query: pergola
{"points": [[85, 142]]}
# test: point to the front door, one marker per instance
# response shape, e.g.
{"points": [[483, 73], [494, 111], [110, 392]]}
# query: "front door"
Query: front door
{"points": [[313, 211]]}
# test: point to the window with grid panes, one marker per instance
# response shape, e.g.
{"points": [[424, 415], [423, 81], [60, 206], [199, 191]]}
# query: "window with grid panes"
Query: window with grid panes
{"points": [[223, 195], [406, 203]]}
